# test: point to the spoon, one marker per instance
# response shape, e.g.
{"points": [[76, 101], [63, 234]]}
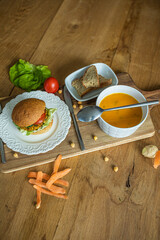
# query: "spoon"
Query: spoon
{"points": [[91, 113]]}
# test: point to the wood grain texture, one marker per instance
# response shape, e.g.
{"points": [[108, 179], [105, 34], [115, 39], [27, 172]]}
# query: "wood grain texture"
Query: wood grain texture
{"points": [[102, 204], [75, 38], [22, 26], [138, 49]]}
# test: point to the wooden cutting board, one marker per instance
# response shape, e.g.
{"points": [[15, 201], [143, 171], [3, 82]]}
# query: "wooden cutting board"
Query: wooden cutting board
{"points": [[88, 130]]}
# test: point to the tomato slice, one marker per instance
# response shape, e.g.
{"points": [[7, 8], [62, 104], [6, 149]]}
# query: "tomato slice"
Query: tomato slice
{"points": [[41, 119]]}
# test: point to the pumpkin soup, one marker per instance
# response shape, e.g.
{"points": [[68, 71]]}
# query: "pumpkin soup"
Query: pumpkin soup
{"points": [[123, 118]]}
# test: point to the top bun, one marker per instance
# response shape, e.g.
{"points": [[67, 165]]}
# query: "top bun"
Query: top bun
{"points": [[28, 111]]}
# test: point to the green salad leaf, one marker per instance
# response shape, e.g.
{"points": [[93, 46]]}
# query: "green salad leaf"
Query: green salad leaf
{"points": [[49, 118], [28, 76]]}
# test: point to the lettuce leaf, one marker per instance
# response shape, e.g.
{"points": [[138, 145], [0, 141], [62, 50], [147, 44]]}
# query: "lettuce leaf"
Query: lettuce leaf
{"points": [[50, 113], [28, 76]]}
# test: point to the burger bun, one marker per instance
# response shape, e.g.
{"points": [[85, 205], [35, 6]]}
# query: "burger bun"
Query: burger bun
{"points": [[28, 111]]}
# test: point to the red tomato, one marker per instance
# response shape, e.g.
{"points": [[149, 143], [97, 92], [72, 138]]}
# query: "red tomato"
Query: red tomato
{"points": [[51, 85], [41, 119]]}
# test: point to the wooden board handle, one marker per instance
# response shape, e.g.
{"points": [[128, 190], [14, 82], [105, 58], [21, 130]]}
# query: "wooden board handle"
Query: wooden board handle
{"points": [[151, 95], [125, 79]]}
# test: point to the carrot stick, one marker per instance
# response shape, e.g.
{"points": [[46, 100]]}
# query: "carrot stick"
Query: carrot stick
{"points": [[53, 188], [39, 177], [62, 182], [56, 176], [34, 175], [57, 163], [157, 160], [50, 193], [46, 177]]}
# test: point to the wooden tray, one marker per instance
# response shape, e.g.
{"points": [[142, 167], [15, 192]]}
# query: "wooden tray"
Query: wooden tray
{"points": [[87, 131]]}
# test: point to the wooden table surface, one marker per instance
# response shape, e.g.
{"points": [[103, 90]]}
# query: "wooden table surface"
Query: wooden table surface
{"points": [[67, 35]]}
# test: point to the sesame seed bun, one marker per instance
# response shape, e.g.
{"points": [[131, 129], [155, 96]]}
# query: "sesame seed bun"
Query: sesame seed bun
{"points": [[28, 111]]}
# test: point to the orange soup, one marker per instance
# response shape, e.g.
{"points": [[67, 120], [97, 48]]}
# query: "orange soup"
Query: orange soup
{"points": [[124, 118]]}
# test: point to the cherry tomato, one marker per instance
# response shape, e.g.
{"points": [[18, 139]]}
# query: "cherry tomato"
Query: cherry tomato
{"points": [[41, 119], [51, 85]]}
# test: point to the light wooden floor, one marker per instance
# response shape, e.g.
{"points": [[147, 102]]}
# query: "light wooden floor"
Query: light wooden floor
{"points": [[67, 35]]}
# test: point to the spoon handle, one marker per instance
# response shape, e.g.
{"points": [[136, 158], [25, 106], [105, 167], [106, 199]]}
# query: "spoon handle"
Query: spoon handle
{"points": [[133, 105]]}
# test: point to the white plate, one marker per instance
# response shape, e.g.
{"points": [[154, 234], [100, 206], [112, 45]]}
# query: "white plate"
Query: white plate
{"points": [[102, 69], [34, 144]]}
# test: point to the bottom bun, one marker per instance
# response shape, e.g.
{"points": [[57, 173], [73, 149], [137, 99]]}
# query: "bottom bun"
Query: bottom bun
{"points": [[46, 129]]}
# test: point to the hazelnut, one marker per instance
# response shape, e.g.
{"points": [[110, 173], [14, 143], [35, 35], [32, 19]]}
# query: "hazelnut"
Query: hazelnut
{"points": [[74, 106], [80, 106]]}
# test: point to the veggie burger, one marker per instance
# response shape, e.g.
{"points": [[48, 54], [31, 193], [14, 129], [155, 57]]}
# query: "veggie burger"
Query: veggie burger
{"points": [[32, 117]]}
